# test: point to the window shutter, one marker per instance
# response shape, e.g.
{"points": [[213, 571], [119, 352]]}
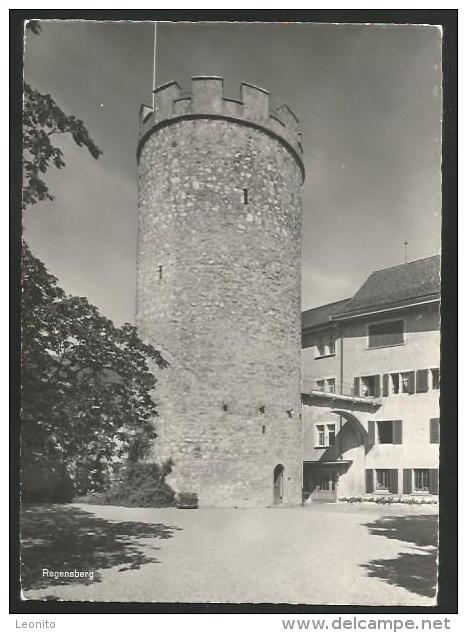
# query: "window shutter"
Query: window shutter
{"points": [[356, 386], [393, 481], [377, 386], [411, 382], [397, 432], [407, 481], [433, 481], [434, 431], [422, 380], [385, 384], [371, 432], [369, 475]]}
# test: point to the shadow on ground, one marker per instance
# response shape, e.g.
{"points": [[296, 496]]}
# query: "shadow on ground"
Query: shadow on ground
{"points": [[416, 572], [62, 537]]}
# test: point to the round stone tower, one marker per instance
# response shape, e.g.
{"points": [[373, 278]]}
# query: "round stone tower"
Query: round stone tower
{"points": [[219, 246]]}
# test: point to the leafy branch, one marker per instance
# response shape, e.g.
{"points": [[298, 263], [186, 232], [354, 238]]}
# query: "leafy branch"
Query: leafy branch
{"points": [[43, 118]]}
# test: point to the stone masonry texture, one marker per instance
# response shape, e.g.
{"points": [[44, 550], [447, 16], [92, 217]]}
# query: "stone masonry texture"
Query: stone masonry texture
{"points": [[219, 290]]}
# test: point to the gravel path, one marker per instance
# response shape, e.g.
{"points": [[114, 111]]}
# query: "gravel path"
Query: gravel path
{"points": [[323, 554]]}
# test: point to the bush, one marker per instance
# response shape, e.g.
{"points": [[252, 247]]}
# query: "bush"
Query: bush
{"points": [[187, 500], [351, 499], [140, 484]]}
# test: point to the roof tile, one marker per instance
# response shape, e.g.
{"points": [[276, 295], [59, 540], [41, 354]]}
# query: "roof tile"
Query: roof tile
{"points": [[383, 288]]}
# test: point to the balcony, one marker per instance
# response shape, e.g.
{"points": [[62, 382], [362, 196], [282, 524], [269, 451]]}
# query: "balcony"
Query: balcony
{"points": [[315, 392]]}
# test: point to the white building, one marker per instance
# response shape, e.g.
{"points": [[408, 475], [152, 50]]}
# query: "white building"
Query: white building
{"points": [[371, 387]]}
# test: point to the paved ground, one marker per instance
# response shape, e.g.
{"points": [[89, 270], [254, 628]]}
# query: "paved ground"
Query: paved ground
{"points": [[322, 554]]}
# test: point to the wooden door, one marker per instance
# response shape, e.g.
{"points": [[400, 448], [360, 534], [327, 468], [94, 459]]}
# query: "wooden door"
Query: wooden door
{"points": [[278, 484]]}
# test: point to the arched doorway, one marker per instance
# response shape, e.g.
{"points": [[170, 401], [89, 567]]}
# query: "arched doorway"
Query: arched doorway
{"points": [[278, 483]]}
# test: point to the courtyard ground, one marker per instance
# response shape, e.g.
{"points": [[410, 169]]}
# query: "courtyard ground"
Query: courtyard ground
{"points": [[363, 554]]}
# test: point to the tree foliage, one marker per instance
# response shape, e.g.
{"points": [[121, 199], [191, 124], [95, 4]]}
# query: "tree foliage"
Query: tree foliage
{"points": [[42, 119], [86, 384]]}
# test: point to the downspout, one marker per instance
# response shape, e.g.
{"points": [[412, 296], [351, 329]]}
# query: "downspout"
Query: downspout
{"points": [[339, 329], [341, 335]]}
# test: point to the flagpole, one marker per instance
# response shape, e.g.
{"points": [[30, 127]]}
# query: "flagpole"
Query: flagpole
{"points": [[154, 65]]}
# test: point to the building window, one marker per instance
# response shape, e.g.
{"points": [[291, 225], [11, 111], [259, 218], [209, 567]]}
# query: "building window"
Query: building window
{"points": [[320, 435], [405, 382], [320, 348], [382, 479], [370, 386], [421, 480], [435, 378], [434, 431], [385, 432], [386, 334], [421, 380], [325, 481], [325, 346], [262, 409], [325, 435], [326, 385], [395, 383], [407, 378]]}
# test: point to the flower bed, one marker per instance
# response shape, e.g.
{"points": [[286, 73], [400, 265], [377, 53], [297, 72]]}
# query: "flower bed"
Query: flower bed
{"points": [[388, 499]]}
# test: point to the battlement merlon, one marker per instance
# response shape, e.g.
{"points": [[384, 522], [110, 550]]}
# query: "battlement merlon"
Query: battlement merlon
{"points": [[206, 100]]}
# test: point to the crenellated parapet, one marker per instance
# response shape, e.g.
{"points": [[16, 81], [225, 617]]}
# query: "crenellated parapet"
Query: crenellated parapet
{"points": [[206, 100]]}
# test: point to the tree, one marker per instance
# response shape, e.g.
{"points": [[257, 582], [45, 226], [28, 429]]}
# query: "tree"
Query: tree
{"points": [[42, 118], [86, 384]]}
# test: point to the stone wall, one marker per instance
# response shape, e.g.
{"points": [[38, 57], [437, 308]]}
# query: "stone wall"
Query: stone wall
{"points": [[219, 294]]}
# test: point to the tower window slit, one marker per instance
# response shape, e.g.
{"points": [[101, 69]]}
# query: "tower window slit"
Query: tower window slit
{"points": [[159, 270], [245, 196]]}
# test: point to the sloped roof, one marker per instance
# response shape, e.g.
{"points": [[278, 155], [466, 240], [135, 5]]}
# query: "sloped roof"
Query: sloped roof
{"points": [[414, 281], [384, 289], [320, 315]]}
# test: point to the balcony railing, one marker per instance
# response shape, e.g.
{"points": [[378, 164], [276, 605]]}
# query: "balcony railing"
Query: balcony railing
{"points": [[316, 387]]}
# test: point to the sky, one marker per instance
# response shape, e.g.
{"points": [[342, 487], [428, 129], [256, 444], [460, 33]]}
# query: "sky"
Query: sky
{"points": [[368, 98]]}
